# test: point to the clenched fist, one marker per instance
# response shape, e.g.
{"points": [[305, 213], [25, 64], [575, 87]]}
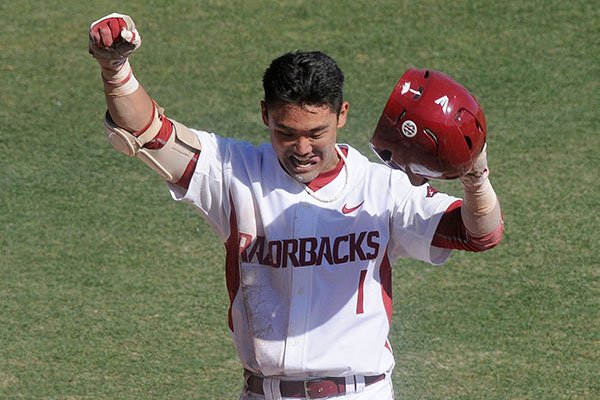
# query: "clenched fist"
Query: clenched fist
{"points": [[112, 39]]}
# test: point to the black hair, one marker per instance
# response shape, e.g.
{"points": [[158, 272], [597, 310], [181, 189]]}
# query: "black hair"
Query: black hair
{"points": [[304, 78]]}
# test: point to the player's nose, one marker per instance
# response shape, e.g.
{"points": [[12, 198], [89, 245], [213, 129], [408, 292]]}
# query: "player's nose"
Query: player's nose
{"points": [[303, 146]]}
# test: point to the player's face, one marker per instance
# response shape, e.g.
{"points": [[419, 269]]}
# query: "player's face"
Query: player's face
{"points": [[304, 137]]}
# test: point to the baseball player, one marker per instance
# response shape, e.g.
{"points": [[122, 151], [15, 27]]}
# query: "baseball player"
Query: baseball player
{"points": [[312, 227]]}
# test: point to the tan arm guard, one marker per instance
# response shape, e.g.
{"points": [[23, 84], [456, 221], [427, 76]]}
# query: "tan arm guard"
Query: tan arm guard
{"points": [[480, 211], [171, 160]]}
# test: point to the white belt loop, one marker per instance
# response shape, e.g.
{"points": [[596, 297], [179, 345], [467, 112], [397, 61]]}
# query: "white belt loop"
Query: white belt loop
{"points": [[359, 381], [350, 384], [271, 389]]}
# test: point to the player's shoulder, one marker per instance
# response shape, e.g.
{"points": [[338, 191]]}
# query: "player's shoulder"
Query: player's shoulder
{"points": [[232, 151], [361, 164], [241, 146], [387, 182], [367, 173], [353, 155]]}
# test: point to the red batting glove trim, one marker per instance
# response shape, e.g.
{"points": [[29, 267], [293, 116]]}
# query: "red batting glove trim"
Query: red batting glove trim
{"points": [[107, 31]]}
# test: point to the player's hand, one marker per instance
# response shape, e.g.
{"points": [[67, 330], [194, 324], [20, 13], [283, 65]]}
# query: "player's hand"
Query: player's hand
{"points": [[480, 171], [112, 39]]}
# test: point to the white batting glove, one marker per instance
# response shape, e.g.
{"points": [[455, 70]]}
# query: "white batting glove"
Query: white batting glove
{"points": [[112, 39]]}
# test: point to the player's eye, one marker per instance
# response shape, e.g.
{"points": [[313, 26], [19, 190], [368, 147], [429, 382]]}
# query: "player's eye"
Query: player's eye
{"points": [[318, 135], [285, 135]]}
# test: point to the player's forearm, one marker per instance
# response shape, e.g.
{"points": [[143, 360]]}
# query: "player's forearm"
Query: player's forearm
{"points": [[480, 210], [112, 39], [474, 224], [479, 226], [131, 112], [129, 105]]}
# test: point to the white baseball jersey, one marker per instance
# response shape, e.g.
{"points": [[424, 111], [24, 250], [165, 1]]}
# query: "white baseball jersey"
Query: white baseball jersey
{"points": [[309, 274]]}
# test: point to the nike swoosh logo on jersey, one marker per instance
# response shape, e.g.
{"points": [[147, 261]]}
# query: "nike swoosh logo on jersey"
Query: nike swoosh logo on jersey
{"points": [[347, 210]]}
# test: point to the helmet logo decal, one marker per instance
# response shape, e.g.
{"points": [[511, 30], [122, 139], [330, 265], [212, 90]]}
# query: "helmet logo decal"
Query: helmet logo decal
{"points": [[406, 88], [443, 102], [409, 128]]}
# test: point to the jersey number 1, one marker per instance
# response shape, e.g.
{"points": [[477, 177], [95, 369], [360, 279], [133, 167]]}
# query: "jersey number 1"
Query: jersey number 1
{"points": [[361, 292]]}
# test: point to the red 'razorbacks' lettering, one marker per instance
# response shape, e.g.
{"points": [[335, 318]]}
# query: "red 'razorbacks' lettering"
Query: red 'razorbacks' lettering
{"points": [[310, 251]]}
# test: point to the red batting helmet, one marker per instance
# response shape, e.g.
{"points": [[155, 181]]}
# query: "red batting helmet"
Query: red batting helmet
{"points": [[431, 127]]}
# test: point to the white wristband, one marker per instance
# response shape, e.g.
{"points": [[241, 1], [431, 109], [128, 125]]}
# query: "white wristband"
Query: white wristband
{"points": [[120, 83]]}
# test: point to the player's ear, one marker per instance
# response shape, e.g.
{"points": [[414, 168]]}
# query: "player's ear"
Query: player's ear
{"points": [[343, 115], [264, 112]]}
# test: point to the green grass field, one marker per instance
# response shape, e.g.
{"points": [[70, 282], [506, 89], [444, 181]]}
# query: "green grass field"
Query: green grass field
{"points": [[110, 290]]}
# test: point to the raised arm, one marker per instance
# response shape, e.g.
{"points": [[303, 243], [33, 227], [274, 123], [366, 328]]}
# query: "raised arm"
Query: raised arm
{"points": [[475, 223], [135, 124], [111, 40]]}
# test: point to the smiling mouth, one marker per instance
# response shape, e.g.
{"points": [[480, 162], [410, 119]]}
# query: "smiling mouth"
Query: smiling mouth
{"points": [[302, 164]]}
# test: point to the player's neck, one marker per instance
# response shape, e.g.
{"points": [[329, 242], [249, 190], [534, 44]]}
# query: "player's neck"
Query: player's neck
{"points": [[326, 177]]}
